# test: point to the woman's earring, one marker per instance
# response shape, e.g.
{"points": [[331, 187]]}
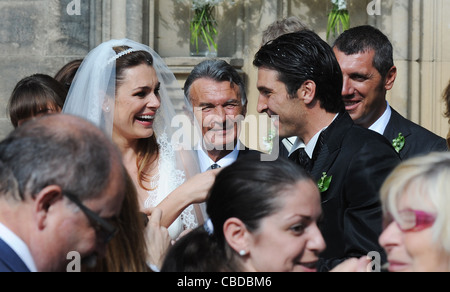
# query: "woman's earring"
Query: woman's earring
{"points": [[242, 253], [107, 109]]}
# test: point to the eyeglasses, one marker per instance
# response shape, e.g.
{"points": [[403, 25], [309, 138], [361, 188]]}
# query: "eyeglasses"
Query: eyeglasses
{"points": [[415, 221], [105, 230]]}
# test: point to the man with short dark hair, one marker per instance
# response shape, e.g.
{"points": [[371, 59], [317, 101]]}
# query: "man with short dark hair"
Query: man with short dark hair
{"points": [[366, 58], [65, 185], [299, 80]]}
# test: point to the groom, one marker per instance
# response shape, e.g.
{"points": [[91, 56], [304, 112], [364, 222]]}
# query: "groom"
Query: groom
{"points": [[299, 80]]}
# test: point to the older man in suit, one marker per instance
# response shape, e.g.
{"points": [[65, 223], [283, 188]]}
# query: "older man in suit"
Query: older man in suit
{"points": [[299, 80], [216, 94], [366, 58], [61, 183]]}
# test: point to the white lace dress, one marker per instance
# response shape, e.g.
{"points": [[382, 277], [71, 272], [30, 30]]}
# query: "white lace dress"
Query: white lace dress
{"points": [[168, 179]]}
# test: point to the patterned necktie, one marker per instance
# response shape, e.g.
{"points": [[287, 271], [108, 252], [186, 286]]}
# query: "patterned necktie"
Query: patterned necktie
{"points": [[215, 166], [301, 158]]}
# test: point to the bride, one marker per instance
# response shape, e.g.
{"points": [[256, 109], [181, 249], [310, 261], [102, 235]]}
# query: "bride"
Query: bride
{"points": [[126, 89]]}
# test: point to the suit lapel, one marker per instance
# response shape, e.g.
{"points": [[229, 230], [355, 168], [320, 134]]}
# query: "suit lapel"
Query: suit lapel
{"points": [[11, 260], [394, 128], [320, 165], [332, 145]]}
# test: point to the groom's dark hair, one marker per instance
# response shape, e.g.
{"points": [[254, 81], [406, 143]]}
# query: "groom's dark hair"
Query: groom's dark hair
{"points": [[302, 56]]}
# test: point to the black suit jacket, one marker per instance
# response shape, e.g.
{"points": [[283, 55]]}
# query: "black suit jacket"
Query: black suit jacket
{"points": [[419, 141], [10, 261], [359, 160], [247, 152]]}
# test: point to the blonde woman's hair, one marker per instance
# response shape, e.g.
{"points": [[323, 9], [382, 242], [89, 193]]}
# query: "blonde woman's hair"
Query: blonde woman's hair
{"points": [[282, 27], [422, 181]]}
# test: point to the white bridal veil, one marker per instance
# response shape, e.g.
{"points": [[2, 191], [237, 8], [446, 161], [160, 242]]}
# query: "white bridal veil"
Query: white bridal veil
{"points": [[92, 97]]}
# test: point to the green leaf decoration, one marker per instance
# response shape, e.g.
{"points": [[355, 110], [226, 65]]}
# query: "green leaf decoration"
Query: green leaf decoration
{"points": [[338, 19], [203, 26], [324, 183], [399, 143]]}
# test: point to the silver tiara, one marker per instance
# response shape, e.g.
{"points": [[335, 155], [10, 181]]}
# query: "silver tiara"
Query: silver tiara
{"points": [[120, 55]]}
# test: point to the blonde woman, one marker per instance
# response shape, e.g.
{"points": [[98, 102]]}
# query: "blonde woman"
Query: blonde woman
{"points": [[417, 213]]}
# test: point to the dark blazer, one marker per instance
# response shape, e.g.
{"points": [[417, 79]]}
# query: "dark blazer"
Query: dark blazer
{"points": [[359, 160], [419, 141], [248, 151], [10, 261]]}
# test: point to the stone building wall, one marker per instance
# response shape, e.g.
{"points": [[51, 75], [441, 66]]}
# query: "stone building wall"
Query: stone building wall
{"points": [[37, 37], [40, 36]]}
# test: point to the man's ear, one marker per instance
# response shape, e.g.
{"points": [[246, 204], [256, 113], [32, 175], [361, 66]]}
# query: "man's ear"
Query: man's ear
{"points": [[390, 78], [236, 233], [307, 92], [44, 201]]}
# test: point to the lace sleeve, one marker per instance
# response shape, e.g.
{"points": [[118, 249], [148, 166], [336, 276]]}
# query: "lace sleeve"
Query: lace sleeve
{"points": [[169, 179]]}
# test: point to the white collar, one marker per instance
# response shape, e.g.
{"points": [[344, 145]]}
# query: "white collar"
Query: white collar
{"points": [[308, 148], [311, 145], [380, 125], [18, 246], [206, 162]]}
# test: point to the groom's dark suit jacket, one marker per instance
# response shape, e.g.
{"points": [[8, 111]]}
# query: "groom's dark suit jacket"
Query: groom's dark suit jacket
{"points": [[10, 261], [419, 141], [359, 160]]}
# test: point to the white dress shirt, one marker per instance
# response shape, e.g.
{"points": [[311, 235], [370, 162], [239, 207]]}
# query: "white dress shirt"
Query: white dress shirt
{"points": [[309, 149], [206, 162], [380, 125], [18, 246]]}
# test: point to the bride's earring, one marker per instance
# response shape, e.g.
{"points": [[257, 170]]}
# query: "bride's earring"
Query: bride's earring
{"points": [[242, 253]]}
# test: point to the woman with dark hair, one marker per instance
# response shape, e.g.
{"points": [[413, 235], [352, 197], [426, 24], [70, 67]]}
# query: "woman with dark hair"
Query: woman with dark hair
{"points": [[67, 73], [35, 96], [263, 219], [125, 88]]}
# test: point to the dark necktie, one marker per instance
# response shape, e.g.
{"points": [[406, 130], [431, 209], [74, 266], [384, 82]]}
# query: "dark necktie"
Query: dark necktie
{"points": [[215, 166], [301, 158]]}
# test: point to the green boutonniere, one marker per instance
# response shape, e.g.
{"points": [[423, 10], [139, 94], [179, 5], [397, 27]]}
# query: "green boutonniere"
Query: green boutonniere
{"points": [[399, 143], [324, 183], [268, 141]]}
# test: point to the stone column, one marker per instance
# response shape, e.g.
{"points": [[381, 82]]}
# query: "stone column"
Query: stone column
{"points": [[400, 38], [434, 64], [118, 19], [134, 20]]}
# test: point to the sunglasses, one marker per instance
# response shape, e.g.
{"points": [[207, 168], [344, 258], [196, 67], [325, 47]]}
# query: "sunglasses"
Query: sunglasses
{"points": [[414, 220], [105, 230]]}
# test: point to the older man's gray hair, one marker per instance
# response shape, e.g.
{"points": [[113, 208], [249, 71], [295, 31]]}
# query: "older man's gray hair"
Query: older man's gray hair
{"points": [[217, 70]]}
